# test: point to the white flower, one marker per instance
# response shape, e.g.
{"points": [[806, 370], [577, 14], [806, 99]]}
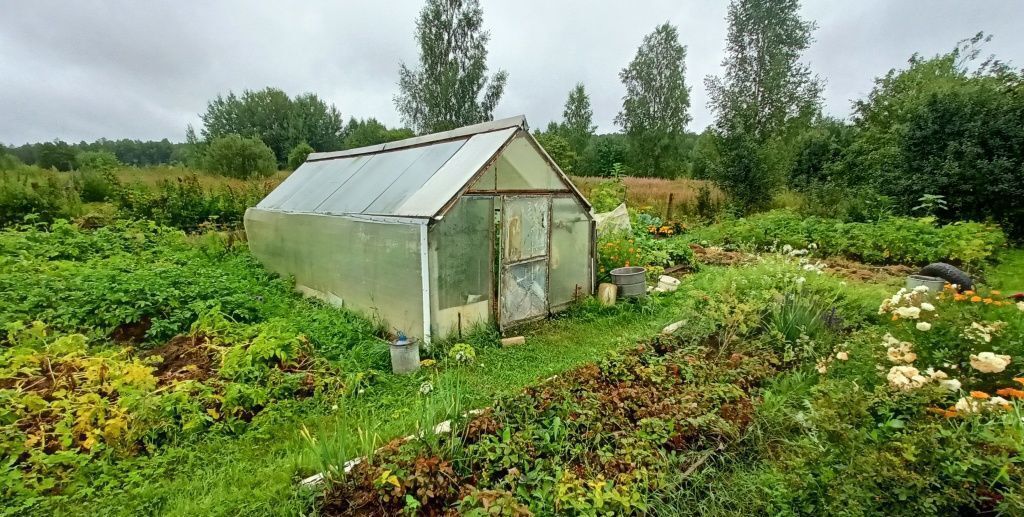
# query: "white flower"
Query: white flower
{"points": [[924, 326], [988, 362], [800, 280], [950, 384], [843, 356], [1020, 306], [921, 289], [925, 306], [843, 284], [905, 378], [901, 354], [999, 401], [888, 340], [967, 405], [812, 246], [426, 387], [910, 313]]}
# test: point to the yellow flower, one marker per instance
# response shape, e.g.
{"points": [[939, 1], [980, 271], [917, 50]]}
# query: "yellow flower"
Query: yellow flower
{"points": [[987, 300], [975, 299], [979, 395]]}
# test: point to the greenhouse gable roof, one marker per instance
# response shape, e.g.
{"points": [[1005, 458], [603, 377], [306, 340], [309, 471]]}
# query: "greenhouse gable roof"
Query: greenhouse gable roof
{"points": [[416, 177]]}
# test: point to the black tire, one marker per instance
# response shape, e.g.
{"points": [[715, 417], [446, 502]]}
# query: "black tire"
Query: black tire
{"points": [[950, 274]]}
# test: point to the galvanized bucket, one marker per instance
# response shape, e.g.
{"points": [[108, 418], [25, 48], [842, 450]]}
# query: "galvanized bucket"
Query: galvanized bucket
{"points": [[631, 281], [934, 284], [405, 356]]}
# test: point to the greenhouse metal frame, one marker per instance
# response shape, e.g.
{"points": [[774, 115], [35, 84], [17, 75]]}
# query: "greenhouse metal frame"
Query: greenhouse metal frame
{"points": [[433, 234]]}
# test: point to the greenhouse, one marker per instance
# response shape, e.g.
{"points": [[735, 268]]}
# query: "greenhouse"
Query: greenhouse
{"points": [[433, 234]]}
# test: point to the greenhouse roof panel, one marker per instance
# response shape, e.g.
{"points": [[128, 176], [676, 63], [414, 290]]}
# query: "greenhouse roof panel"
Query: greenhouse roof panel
{"points": [[416, 177]]}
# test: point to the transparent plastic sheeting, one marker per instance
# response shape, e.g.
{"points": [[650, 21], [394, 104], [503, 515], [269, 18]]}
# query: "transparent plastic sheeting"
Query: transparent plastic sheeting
{"points": [[370, 267], [520, 167], [570, 251], [525, 227], [460, 266], [523, 288]]}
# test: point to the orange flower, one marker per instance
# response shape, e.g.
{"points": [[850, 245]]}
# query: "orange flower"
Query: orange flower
{"points": [[997, 303], [994, 291], [975, 299], [959, 297], [948, 413], [1019, 379], [627, 263], [968, 292], [980, 395], [1013, 393], [987, 300]]}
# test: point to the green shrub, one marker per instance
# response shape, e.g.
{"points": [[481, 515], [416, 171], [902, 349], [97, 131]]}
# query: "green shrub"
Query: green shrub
{"points": [[891, 240], [95, 186], [97, 161], [184, 203], [608, 194], [297, 156], [43, 196], [236, 156]]}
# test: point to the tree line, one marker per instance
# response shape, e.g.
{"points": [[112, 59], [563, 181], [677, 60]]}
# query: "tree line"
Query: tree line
{"points": [[941, 136]]}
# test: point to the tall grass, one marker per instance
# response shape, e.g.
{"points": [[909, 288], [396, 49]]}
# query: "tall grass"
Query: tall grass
{"points": [[651, 195]]}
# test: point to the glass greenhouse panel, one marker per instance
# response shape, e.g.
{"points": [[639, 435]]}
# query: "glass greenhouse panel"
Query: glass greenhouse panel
{"points": [[570, 251], [521, 167], [524, 227], [369, 267], [292, 184], [328, 179], [460, 266], [524, 291], [449, 180], [372, 180], [486, 181], [413, 177]]}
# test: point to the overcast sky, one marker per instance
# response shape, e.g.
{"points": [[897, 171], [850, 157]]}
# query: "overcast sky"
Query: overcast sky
{"points": [[91, 69]]}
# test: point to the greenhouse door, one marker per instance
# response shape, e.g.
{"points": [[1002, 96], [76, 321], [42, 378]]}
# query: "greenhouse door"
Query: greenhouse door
{"points": [[523, 280]]}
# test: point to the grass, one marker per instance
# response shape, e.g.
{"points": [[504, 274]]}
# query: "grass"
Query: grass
{"points": [[651, 194], [1008, 274], [151, 176]]}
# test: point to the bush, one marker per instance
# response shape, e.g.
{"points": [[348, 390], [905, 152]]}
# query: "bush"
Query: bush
{"points": [[891, 240], [97, 161], [297, 156], [939, 128], [45, 196], [184, 203], [236, 156], [97, 186]]}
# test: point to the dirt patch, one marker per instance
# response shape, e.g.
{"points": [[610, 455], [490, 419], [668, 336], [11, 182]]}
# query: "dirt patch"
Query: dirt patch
{"points": [[866, 273], [715, 256], [185, 358], [133, 333]]}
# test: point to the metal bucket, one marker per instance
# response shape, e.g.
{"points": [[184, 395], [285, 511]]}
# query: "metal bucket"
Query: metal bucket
{"points": [[933, 283], [405, 356], [631, 281]]}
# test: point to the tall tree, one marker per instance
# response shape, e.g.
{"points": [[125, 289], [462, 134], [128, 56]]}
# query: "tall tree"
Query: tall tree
{"points": [[360, 133], [765, 85], [654, 110], [763, 94], [444, 92], [577, 120], [278, 121]]}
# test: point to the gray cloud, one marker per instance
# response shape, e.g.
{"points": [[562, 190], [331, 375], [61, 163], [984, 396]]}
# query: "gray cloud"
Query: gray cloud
{"points": [[115, 69]]}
